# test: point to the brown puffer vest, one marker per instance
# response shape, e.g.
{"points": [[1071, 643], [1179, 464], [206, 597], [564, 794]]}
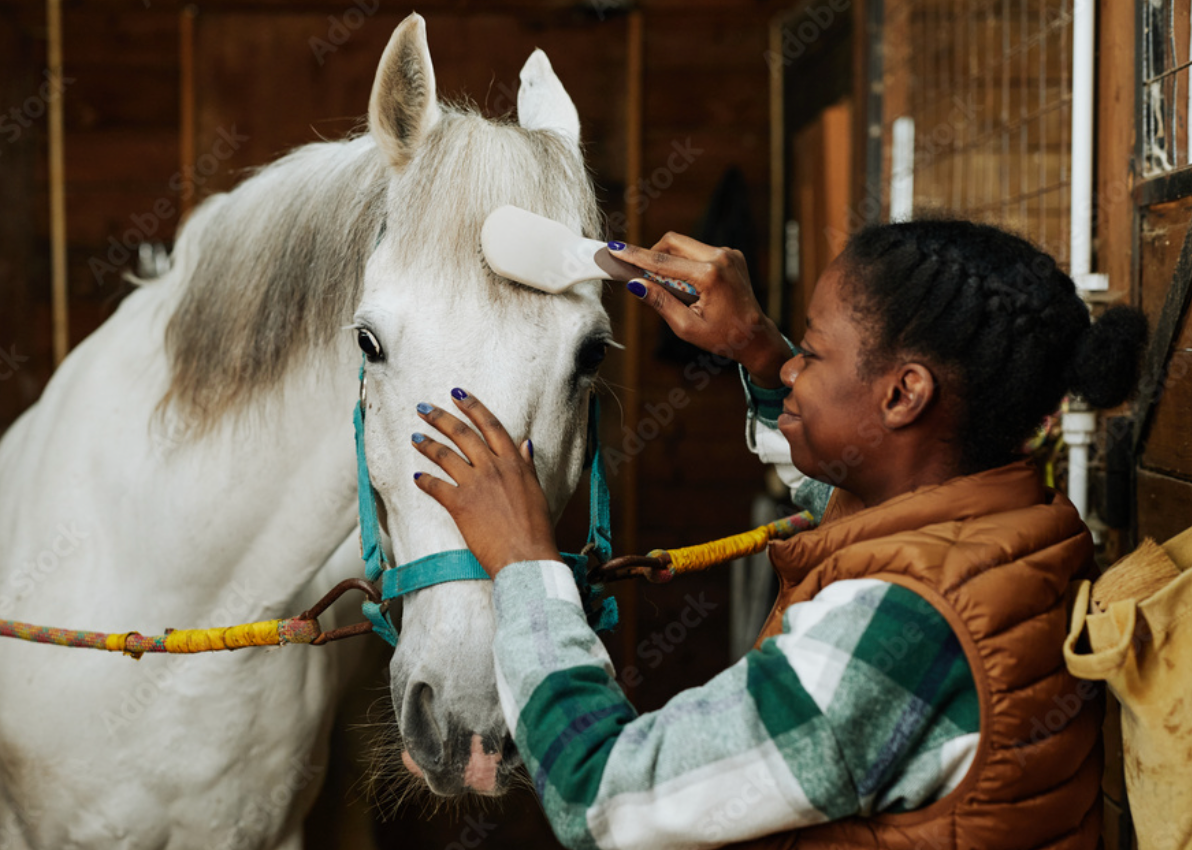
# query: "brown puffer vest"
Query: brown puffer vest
{"points": [[994, 553]]}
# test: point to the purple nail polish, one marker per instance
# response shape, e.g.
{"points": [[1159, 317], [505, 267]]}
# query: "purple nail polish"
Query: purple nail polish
{"points": [[458, 394], [417, 475], [636, 287], [616, 246], [530, 446]]}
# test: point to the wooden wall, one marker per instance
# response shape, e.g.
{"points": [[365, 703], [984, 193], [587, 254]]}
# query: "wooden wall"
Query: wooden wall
{"points": [[683, 474]]}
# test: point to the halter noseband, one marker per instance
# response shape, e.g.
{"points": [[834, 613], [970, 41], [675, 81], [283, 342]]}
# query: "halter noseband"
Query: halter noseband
{"points": [[461, 564]]}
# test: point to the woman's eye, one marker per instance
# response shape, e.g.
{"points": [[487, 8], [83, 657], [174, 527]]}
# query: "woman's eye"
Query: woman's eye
{"points": [[590, 356], [369, 345]]}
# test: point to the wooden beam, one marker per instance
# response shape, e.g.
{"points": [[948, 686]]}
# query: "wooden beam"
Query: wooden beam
{"points": [[778, 176], [59, 293], [186, 100], [628, 491], [1115, 143]]}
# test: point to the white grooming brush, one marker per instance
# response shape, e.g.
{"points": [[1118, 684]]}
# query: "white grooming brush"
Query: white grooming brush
{"points": [[544, 254]]}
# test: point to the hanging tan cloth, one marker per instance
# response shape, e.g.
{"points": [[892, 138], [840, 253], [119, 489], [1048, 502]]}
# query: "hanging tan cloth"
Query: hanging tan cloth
{"points": [[1137, 622]]}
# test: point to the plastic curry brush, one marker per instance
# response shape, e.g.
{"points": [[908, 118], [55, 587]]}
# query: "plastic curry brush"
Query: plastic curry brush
{"points": [[544, 254]]}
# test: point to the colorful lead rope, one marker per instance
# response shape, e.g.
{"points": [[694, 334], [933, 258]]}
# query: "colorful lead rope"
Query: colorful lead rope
{"points": [[264, 633], [662, 565], [705, 555]]}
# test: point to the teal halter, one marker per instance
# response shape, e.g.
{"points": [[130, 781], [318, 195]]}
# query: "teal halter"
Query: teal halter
{"points": [[460, 564]]}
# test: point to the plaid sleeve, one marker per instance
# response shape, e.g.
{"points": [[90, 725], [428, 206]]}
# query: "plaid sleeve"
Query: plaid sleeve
{"points": [[864, 704]]}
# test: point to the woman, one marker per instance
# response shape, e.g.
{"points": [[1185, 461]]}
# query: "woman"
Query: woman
{"points": [[909, 690]]}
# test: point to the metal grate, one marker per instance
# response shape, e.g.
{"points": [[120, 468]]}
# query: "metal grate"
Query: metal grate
{"points": [[1166, 47], [988, 86]]}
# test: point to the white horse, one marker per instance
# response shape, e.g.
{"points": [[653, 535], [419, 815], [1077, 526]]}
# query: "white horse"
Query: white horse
{"points": [[191, 464]]}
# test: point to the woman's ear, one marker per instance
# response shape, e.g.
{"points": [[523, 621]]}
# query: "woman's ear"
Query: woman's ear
{"points": [[909, 393]]}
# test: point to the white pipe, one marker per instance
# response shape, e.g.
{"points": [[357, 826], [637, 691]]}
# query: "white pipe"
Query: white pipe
{"points": [[1084, 70], [902, 170], [1079, 424]]}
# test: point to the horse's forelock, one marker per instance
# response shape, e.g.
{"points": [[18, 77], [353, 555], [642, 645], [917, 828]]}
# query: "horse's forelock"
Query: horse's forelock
{"points": [[275, 268], [480, 165]]}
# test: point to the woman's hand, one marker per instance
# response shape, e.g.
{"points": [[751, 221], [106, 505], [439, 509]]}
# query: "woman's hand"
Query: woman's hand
{"points": [[496, 502], [727, 319]]}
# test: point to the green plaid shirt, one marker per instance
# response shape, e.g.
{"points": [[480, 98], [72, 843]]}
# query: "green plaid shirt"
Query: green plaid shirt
{"points": [[864, 704]]}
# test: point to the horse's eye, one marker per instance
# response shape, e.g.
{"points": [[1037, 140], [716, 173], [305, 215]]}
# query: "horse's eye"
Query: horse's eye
{"points": [[369, 345], [591, 355]]}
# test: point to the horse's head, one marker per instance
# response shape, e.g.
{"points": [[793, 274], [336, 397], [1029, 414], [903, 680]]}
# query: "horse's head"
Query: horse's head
{"points": [[434, 317]]}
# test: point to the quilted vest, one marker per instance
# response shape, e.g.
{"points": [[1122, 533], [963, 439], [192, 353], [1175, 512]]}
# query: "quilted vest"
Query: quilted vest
{"points": [[994, 553]]}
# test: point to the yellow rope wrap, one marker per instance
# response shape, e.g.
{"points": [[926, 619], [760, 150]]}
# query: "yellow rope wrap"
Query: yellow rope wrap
{"points": [[705, 555], [232, 637], [116, 643]]}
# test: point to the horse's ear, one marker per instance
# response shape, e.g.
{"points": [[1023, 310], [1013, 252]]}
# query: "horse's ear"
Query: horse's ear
{"points": [[403, 108], [543, 103]]}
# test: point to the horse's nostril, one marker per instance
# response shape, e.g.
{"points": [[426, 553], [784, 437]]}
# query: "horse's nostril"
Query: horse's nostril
{"points": [[419, 728]]}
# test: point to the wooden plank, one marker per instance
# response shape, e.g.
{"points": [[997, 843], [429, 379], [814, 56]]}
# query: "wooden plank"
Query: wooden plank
{"points": [[121, 97], [837, 178], [113, 38], [1164, 227], [1115, 143], [1165, 327], [57, 138], [22, 373], [1169, 442], [1164, 505], [129, 215], [122, 157]]}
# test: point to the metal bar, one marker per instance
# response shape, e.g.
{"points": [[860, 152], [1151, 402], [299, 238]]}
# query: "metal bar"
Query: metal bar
{"points": [[1168, 72]]}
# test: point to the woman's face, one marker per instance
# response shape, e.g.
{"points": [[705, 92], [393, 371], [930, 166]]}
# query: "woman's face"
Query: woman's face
{"points": [[831, 416]]}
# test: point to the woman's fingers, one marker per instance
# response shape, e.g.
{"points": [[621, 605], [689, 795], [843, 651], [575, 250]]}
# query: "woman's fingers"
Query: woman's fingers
{"points": [[684, 320], [446, 459], [684, 246], [436, 488], [465, 438], [489, 425], [677, 265]]}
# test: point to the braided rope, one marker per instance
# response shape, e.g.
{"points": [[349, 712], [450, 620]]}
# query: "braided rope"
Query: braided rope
{"points": [[264, 633], [701, 557]]}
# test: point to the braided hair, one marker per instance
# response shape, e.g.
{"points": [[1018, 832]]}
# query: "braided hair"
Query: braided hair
{"points": [[1000, 323]]}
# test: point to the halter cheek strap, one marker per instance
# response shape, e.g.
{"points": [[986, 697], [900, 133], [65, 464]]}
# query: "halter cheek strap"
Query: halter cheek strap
{"points": [[460, 564]]}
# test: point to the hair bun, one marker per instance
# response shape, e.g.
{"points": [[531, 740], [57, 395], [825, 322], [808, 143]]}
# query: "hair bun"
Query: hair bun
{"points": [[1108, 357]]}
